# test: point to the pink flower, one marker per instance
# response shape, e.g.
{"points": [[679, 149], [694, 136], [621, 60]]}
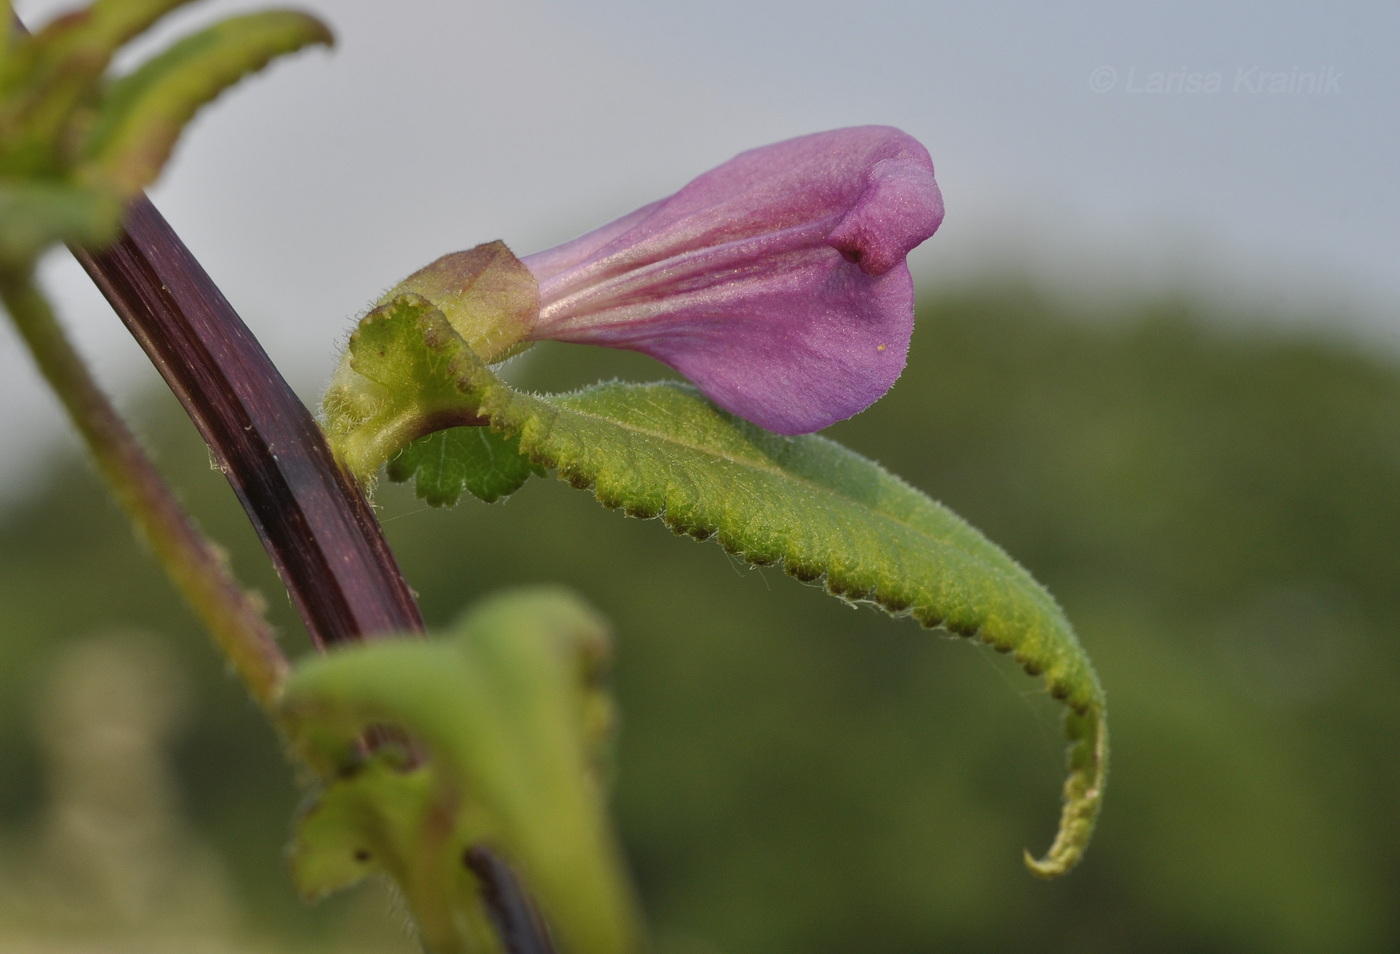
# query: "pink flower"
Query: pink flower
{"points": [[775, 282]]}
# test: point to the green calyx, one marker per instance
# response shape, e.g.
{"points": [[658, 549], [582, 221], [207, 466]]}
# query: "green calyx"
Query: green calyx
{"points": [[407, 371], [486, 294]]}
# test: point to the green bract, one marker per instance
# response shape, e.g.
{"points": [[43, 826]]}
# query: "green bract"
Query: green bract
{"points": [[823, 513]]}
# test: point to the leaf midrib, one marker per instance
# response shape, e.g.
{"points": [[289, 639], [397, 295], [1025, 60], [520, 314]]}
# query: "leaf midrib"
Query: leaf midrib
{"points": [[1015, 574]]}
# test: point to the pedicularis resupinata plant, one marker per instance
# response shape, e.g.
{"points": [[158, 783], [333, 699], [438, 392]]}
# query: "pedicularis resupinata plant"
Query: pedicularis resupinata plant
{"points": [[469, 766]]}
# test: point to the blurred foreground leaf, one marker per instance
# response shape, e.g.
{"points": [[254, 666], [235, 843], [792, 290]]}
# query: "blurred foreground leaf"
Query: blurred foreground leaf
{"points": [[76, 144], [142, 114], [513, 720]]}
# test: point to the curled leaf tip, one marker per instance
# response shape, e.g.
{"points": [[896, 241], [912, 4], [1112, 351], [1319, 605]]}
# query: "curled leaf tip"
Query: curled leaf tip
{"points": [[1088, 767]]}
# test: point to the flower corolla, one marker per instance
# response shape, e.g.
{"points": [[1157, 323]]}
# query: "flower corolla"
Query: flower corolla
{"points": [[776, 282]]}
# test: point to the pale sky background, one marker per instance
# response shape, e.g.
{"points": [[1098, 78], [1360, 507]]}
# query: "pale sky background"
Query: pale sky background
{"points": [[1110, 147]]}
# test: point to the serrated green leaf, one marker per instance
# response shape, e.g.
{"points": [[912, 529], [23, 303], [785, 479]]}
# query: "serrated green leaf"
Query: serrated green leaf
{"points": [[475, 459], [507, 710], [142, 114], [825, 514]]}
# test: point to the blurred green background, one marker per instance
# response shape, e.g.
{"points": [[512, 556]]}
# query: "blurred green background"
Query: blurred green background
{"points": [[1215, 506]]}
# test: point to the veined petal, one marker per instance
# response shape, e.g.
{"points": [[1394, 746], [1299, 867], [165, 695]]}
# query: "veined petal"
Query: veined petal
{"points": [[776, 282]]}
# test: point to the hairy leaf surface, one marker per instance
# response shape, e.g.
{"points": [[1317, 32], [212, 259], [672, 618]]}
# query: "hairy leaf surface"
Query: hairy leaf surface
{"points": [[824, 514]]}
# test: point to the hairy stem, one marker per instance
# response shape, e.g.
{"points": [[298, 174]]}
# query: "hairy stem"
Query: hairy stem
{"points": [[312, 517], [197, 567]]}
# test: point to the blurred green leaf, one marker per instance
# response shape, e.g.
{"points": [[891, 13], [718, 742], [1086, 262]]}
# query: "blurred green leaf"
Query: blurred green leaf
{"points": [[69, 137], [386, 818], [7, 26], [39, 214], [506, 709], [111, 24], [83, 42], [58, 70], [41, 103], [358, 824], [143, 113]]}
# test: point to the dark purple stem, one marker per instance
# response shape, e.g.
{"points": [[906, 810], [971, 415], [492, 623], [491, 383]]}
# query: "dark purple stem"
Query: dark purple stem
{"points": [[511, 909], [316, 524]]}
